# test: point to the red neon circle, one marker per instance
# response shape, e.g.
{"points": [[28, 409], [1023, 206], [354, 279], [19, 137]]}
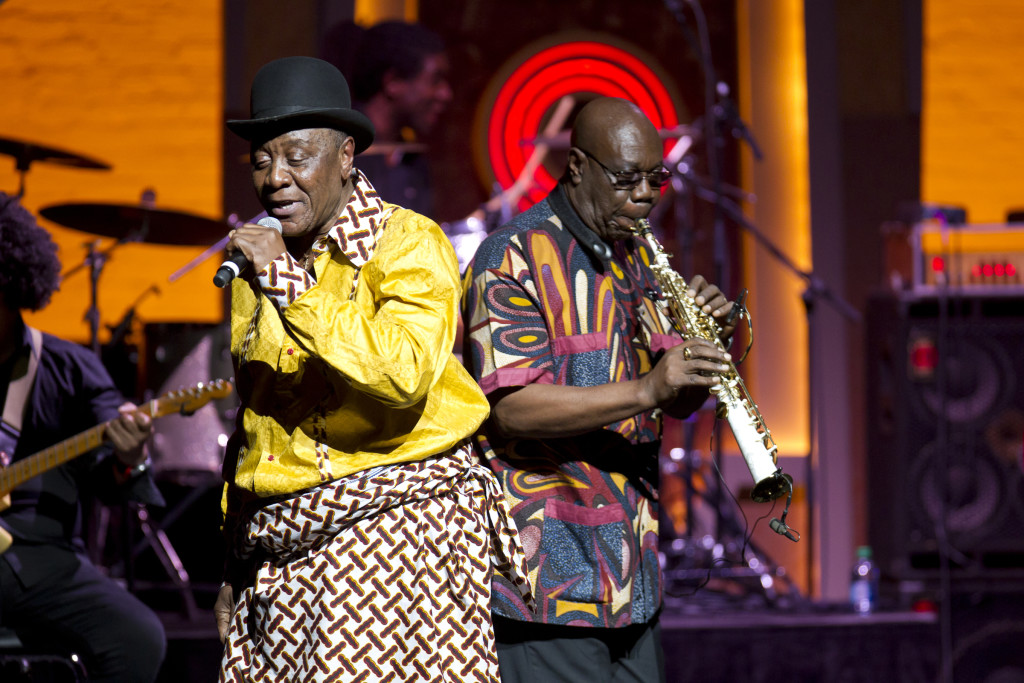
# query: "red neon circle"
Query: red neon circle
{"points": [[534, 88]]}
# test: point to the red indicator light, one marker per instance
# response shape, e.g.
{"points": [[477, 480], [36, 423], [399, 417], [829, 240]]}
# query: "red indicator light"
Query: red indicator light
{"points": [[987, 269], [938, 264], [999, 269], [1010, 270], [923, 358], [976, 271]]}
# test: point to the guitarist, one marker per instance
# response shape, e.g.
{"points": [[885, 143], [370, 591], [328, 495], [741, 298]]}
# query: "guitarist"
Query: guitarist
{"points": [[50, 594]]}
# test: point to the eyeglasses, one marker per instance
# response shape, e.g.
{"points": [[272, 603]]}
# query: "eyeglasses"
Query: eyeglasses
{"points": [[628, 180]]}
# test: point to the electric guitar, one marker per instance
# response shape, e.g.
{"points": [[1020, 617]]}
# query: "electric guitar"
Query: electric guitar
{"points": [[184, 401]]}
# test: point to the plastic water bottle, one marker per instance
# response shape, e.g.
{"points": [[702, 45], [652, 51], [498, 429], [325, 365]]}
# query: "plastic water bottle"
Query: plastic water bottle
{"points": [[864, 583]]}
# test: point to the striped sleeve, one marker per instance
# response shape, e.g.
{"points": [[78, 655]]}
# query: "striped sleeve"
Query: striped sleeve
{"points": [[283, 280]]}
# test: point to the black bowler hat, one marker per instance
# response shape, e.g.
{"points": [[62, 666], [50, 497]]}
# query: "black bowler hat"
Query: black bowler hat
{"points": [[301, 92]]}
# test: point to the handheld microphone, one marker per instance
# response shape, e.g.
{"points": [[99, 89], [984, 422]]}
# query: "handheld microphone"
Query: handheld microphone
{"points": [[237, 261]]}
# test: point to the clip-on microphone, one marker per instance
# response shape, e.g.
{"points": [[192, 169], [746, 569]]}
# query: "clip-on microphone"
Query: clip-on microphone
{"points": [[737, 308], [779, 525]]}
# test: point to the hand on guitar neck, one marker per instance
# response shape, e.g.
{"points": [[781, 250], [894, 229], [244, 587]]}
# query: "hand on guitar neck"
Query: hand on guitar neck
{"points": [[127, 433]]}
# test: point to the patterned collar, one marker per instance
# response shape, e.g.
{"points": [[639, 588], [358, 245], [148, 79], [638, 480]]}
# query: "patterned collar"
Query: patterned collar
{"points": [[360, 223]]}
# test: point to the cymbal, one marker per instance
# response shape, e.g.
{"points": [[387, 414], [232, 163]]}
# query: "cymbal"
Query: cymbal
{"points": [[137, 223], [26, 152], [562, 139]]}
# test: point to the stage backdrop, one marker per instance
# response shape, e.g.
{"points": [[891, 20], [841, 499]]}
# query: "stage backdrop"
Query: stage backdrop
{"points": [[135, 85], [972, 122]]}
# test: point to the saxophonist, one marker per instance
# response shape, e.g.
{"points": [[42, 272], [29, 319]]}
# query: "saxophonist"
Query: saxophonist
{"points": [[568, 339]]}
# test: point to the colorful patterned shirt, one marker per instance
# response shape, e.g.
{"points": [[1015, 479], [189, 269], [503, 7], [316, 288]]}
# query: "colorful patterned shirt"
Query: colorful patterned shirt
{"points": [[350, 367], [541, 306]]}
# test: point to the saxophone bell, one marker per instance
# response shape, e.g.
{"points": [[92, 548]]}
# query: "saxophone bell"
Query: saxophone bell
{"points": [[775, 485]]}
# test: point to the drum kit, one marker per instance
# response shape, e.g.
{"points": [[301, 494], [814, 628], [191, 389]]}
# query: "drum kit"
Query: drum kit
{"points": [[182, 447]]}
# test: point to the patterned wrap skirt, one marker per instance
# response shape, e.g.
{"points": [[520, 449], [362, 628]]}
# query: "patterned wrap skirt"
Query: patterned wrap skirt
{"points": [[380, 576]]}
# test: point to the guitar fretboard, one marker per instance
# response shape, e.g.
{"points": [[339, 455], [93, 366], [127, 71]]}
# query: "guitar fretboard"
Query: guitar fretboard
{"points": [[186, 402], [21, 471]]}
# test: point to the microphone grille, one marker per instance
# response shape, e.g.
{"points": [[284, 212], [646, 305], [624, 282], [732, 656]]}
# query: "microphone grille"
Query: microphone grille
{"points": [[270, 222]]}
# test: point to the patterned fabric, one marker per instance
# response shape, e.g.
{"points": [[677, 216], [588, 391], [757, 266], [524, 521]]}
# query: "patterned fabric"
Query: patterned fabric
{"points": [[284, 279], [357, 371], [382, 576], [541, 307]]}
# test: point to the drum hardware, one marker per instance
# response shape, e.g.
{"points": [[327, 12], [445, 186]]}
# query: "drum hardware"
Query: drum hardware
{"points": [[130, 223], [120, 331], [712, 544], [153, 535], [209, 426], [186, 452], [467, 234], [25, 153], [189, 449], [127, 224]]}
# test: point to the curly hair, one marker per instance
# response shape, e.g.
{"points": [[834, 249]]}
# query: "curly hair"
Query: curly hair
{"points": [[29, 267]]}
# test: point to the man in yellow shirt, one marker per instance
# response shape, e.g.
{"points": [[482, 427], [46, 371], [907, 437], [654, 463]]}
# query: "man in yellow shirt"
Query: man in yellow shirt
{"points": [[361, 530]]}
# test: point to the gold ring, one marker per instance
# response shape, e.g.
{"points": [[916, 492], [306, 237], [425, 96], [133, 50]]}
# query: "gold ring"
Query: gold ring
{"points": [[686, 354]]}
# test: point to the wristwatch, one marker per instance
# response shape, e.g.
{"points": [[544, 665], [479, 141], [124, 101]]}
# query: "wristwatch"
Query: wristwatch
{"points": [[127, 472]]}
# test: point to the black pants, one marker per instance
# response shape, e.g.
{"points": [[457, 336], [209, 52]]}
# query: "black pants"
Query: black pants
{"points": [[544, 653], [80, 610]]}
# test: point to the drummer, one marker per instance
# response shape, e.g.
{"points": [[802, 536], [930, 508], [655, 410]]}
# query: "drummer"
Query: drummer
{"points": [[400, 82]]}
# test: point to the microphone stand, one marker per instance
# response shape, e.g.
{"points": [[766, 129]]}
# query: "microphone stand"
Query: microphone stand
{"points": [[815, 289], [714, 142], [723, 114], [120, 331]]}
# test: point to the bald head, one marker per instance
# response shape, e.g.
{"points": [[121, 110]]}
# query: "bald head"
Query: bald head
{"points": [[612, 137], [610, 121]]}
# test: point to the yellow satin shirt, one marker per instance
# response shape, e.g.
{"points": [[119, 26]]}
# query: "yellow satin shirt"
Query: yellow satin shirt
{"points": [[354, 369]]}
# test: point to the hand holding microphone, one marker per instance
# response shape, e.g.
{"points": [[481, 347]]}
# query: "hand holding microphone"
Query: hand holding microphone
{"points": [[247, 245]]}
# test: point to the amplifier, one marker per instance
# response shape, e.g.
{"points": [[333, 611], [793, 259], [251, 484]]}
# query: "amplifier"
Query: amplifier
{"points": [[985, 260]]}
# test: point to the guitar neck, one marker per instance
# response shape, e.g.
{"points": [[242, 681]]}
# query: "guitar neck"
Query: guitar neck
{"points": [[186, 402], [19, 472]]}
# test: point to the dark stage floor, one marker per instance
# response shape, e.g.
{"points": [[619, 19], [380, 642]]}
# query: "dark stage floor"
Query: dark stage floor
{"points": [[722, 640], [816, 644], [717, 637]]}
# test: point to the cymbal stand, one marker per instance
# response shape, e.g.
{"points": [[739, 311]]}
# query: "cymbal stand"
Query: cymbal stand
{"points": [[155, 537], [21, 166], [95, 260]]}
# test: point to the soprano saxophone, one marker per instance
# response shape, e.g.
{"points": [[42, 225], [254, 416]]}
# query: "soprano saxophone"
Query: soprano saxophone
{"points": [[734, 403]]}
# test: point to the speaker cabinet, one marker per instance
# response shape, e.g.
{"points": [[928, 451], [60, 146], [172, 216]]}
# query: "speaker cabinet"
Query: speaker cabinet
{"points": [[987, 632], [945, 435]]}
